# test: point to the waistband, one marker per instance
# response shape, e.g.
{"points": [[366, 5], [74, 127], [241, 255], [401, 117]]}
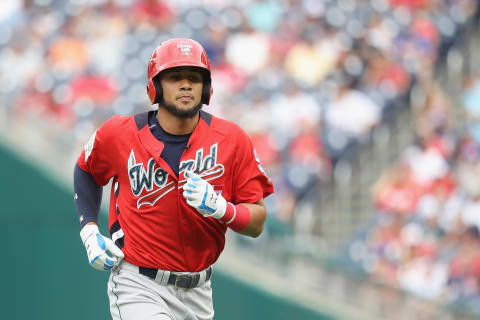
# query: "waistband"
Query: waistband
{"points": [[184, 280]]}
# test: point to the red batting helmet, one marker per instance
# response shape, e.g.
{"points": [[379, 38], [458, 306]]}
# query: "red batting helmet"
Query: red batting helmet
{"points": [[178, 53]]}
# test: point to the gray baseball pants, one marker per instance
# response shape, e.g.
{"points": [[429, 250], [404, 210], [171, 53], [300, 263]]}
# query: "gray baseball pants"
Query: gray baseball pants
{"points": [[134, 296]]}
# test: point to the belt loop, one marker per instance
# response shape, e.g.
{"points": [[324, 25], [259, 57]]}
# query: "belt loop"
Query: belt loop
{"points": [[209, 273], [162, 277], [204, 276]]}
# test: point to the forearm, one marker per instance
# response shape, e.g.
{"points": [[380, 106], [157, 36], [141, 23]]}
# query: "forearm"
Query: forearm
{"points": [[245, 218], [258, 215], [88, 196]]}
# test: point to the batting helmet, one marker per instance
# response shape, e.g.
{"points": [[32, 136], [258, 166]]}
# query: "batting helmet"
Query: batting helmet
{"points": [[178, 53]]}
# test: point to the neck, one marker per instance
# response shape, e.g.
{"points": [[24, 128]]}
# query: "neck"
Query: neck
{"points": [[175, 125]]}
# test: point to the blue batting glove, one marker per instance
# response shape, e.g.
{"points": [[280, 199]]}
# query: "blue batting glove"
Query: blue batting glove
{"points": [[97, 247], [201, 196]]}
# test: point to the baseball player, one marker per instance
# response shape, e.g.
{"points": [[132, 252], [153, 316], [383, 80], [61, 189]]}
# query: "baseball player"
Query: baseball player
{"points": [[181, 178]]}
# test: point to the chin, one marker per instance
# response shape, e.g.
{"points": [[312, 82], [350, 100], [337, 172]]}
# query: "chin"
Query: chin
{"points": [[180, 111]]}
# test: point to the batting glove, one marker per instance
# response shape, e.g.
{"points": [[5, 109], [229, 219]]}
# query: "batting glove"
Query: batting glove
{"points": [[201, 196], [97, 247]]}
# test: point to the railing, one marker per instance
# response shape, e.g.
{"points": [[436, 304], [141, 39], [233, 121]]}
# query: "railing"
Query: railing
{"points": [[344, 203]]}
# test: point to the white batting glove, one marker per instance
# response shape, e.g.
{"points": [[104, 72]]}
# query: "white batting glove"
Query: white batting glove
{"points": [[200, 195], [97, 247]]}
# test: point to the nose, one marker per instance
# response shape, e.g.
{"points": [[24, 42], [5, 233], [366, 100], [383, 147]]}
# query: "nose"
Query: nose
{"points": [[185, 84]]}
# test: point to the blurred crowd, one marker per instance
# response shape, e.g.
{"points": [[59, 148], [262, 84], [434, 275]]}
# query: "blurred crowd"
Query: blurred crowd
{"points": [[306, 79], [426, 236]]}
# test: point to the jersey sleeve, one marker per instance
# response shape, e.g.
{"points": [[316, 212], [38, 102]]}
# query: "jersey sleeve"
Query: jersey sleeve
{"points": [[250, 180], [97, 156]]}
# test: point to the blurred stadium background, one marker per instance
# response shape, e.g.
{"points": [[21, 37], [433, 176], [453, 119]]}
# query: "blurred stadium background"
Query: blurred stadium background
{"points": [[366, 114]]}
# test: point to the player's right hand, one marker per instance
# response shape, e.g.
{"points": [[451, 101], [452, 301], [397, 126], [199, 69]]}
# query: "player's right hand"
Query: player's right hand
{"points": [[97, 247]]}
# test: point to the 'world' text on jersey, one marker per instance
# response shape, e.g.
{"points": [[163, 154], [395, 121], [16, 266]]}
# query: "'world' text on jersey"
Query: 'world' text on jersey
{"points": [[142, 178]]}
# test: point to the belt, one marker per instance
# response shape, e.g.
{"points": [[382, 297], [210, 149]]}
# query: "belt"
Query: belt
{"points": [[165, 277]]}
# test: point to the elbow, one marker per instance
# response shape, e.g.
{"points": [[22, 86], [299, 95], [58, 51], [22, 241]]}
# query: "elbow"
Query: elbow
{"points": [[253, 231], [257, 231], [258, 227]]}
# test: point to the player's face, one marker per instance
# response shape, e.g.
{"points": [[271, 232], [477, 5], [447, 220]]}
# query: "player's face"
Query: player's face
{"points": [[182, 91]]}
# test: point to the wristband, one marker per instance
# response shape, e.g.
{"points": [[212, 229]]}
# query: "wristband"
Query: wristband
{"points": [[237, 217]]}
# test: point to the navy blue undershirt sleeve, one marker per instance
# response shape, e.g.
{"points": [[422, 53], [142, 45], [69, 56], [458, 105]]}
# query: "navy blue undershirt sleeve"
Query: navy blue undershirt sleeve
{"points": [[88, 196]]}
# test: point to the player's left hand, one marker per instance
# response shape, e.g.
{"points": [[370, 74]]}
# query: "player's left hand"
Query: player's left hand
{"points": [[201, 195]]}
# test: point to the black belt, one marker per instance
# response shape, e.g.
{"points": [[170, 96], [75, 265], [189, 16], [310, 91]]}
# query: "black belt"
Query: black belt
{"points": [[184, 281]]}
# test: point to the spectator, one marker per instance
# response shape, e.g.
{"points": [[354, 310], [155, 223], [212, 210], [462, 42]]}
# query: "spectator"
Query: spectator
{"points": [[396, 192], [350, 116]]}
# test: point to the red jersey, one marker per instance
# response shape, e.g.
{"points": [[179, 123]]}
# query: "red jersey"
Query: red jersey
{"points": [[148, 216]]}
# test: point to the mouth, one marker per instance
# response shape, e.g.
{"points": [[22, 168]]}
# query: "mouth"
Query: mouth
{"points": [[185, 98]]}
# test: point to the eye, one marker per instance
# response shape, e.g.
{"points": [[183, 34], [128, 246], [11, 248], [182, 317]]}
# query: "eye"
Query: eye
{"points": [[175, 77], [195, 78]]}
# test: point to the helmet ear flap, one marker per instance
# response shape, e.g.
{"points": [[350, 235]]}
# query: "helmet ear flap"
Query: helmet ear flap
{"points": [[207, 87], [154, 90], [206, 93], [158, 88]]}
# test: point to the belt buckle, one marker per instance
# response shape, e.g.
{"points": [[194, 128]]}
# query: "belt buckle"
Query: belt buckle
{"points": [[184, 281]]}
